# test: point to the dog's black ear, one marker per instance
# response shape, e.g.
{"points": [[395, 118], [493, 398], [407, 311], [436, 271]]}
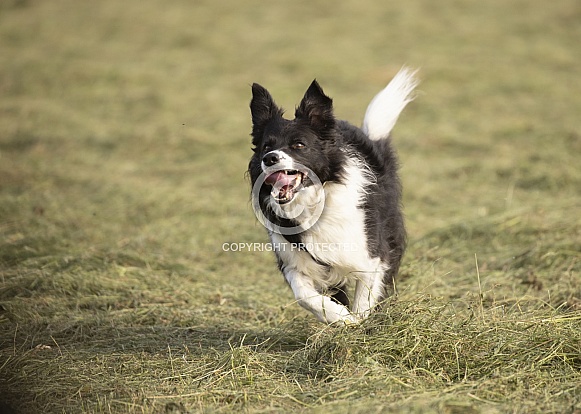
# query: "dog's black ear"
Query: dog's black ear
{"points": [[263, 109], [316, 108]]}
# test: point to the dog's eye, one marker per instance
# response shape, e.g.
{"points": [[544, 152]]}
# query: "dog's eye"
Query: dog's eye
{"points": [[266, 148], [298, 146]]}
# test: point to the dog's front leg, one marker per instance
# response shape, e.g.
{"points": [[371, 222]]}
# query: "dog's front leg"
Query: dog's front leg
{"points": [[368, 292], [323, 307]]}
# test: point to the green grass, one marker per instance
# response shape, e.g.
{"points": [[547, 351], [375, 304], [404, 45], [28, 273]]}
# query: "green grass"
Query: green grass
{"points": [[124, 140]]}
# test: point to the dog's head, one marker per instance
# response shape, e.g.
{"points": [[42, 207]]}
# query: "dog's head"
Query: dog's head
{"points": [[293, 154]]}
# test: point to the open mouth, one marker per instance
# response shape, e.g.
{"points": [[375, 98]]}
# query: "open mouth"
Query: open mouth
{"points": [[285, 184]]}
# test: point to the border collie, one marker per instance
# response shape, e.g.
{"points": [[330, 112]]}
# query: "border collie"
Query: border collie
{"points": [[330, 197]]}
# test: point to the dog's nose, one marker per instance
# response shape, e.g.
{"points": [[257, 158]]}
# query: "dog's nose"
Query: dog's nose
{"points": [[270, 159]]}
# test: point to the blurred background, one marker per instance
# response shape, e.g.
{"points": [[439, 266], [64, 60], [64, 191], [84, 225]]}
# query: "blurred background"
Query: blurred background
{"points": [[153, 96]]}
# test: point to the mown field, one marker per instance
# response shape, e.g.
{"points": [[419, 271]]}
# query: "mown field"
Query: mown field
{"points": [[124, 140]]}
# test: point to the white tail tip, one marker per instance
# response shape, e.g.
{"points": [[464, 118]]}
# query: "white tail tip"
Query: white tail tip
{"points": [[385, 107]]}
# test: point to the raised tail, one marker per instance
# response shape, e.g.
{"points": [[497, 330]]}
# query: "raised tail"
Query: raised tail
{"points": [[385, 107]]}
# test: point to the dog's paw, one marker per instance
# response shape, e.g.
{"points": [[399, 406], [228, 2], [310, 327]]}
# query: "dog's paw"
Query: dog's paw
{"points": [[347, 320]]}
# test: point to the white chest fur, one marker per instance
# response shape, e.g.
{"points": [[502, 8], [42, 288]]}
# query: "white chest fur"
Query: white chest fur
{"points": [[338, 239]]}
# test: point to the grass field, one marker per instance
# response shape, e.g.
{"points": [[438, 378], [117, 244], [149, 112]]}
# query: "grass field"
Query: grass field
{"points": [[124, 140]]}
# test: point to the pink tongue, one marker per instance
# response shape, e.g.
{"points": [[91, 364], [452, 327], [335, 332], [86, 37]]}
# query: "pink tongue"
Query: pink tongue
{"points": [[281, 178]]}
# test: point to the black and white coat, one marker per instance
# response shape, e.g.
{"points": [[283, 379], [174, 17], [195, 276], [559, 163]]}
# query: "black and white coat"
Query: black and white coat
{"points": [[362, 216]]}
